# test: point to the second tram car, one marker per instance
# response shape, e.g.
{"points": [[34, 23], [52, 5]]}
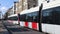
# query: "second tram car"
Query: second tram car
{"points": [[13, 19], [50, 21], [29, 18]]}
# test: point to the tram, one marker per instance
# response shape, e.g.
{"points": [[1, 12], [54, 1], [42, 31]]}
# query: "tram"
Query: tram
{"points": [[13, 19], [29, 18], [50, 18], [49, 21]]}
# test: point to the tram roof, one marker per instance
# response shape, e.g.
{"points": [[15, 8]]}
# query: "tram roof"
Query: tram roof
{"points": [[51, 5], [45, 6], [30, 10], [12, 15]]}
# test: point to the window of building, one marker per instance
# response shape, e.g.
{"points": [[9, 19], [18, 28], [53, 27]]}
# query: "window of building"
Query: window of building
{"points": [[32, 3]]}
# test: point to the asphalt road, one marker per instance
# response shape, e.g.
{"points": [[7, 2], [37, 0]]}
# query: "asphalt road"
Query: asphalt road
{"points": [[3, 30], [8, 28]]}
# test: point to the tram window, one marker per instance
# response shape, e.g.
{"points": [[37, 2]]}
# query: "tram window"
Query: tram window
{"points": [[26, 17], [51, 16], [46, 16], [29, 17], [23, 17], [13, 18], [35, 15], [32, 17], [56, 16]]}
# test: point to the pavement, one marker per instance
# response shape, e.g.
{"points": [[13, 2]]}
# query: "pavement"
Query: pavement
{"points": [[16, 29], [3, 30]]}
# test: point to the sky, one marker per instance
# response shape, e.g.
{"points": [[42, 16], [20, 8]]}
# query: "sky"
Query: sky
{"points": [[5, 5]]}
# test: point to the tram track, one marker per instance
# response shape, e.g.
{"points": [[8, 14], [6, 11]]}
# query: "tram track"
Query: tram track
{"points": [[16, 29], [6, 28]]}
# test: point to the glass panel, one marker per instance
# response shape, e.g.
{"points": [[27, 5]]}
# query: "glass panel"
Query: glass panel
{"points": [[51, 16], [32, 16], [13, 18], [23, 17], [46, 15]]}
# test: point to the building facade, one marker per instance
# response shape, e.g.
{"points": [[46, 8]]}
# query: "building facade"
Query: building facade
{"points": [[21, 5], [27, 4], [10, 11], [15, 7], [32, 3]]}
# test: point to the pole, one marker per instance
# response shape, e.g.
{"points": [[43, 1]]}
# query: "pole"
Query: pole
{"points": [[40, 17]]}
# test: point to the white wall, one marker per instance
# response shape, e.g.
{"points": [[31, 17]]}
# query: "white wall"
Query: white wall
{"points": [[45, 2]]}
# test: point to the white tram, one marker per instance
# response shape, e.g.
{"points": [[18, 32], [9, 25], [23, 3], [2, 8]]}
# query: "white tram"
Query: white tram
{"points": [[50, 21], [13, 19]]}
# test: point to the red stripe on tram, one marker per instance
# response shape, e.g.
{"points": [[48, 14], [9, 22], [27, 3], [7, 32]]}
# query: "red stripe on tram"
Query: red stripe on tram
{"points": [[34, 25], [26, 24]]}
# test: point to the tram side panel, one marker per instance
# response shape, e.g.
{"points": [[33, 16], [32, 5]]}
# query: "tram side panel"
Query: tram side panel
{"points": [[30, 20], [13, 20], [51, 20]]}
